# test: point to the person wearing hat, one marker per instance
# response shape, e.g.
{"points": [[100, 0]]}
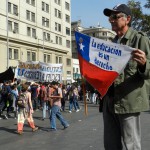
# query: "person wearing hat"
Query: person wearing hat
{"points": [[128, 95]]}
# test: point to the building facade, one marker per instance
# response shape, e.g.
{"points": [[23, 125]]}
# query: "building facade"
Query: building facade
{"points": [[98, 32], [36, 30]]}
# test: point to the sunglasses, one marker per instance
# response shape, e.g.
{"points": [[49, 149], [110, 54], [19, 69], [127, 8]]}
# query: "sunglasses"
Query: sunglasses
{"points": [[116, 16]]}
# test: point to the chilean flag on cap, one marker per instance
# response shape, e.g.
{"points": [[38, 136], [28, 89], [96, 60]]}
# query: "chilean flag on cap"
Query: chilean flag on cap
{"points": [[101, 61]]}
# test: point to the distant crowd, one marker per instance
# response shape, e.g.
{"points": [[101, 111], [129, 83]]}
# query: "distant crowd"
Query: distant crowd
{"points": [[9, 92], [43, 98]]}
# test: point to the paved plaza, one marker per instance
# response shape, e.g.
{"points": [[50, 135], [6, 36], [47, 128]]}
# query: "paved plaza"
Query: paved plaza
{"points": [[84, 133]]}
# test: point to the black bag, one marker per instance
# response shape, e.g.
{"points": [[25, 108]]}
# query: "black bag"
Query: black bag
{"points": [[22, 100], [10, 97]]}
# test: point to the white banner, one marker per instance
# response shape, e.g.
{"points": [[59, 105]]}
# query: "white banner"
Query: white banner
{"points": [[38, 71]]}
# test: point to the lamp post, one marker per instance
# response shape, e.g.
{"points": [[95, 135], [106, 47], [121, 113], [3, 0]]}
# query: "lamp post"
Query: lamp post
{"points": [[43, 38], [43, 43], [7, 34]]}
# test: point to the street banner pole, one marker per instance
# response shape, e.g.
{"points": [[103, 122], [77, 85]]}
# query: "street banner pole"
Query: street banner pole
{"points": [[84, 96]]}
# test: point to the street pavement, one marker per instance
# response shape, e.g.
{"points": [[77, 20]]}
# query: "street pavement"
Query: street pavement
{"points": [[84, 132]]}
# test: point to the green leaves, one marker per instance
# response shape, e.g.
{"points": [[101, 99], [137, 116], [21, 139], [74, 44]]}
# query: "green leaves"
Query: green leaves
{"points": [[140, 21]]}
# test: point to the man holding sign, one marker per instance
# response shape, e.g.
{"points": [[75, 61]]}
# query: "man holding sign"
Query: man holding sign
{"points": [[129, 93]]}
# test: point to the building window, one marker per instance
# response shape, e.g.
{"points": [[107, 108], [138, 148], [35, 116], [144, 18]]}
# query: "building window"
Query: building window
{"points": [[28, 1], [57, 27], [104, 33], [68, 62], [67, 31], [57, 13], [47, 58], [30, 16], [68, 18], [28, 56], [67, 43], [77, 70], [68, 72], [31, 2], [58, 60], [9, 7], [31, 32], [13, 27], [10, 53], [67, 6], [9, 25], [14, 10], [28, 31], [57, 2], [45, 7], [16, 28], [46, 36], [45, 22], [58, 40], [31, 56], [13, 53]]}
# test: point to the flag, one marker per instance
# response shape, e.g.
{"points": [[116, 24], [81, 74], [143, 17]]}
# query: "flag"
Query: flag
{"points": [[7, 75], [101, 61]]}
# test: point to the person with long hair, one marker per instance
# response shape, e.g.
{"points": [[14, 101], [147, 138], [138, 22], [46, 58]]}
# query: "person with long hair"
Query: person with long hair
{"points": [[25, 113]]}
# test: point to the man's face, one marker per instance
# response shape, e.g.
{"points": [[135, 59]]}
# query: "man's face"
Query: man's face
{"points": [[118, 21]]}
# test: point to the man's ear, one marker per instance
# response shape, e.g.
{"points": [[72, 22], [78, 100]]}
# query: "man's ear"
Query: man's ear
{"points": [[128, 19]]}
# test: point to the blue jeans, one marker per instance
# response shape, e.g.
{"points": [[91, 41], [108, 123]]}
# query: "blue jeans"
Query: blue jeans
{"points": [[55, 112], [72, 102], [44, 105]]}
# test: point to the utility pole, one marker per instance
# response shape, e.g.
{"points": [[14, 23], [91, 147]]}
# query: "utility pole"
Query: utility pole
{"points": [[43, 38], [7, 34]]}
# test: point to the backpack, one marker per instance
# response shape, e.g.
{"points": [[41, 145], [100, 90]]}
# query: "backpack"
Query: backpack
{"points": [[4, 92], [10, 97], [22, 100]]}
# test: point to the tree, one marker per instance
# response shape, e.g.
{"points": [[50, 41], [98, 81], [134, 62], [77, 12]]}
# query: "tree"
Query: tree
{"points": [[140, 21], [147, 5]]}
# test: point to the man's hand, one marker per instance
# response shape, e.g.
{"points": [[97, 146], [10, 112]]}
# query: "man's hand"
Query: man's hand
{"points": [[139, 56]]}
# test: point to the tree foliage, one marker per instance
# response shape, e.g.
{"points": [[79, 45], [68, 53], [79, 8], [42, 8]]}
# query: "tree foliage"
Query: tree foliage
{"points": [[140, 20]]}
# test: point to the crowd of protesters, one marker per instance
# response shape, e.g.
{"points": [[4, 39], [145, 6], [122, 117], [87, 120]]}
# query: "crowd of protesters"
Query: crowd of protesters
{"points": [[42, 97]]}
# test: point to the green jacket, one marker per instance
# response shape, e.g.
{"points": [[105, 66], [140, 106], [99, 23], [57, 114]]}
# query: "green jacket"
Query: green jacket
{"points": [[131, 89]]}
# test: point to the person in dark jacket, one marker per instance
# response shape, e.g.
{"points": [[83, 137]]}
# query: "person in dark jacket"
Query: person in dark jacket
{"points": [[128, 95], [34, 95]]}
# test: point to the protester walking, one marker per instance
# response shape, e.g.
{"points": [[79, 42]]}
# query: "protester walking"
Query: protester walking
{"points": [[56, 106], [14, 95], [6, 89], [44, 96], [64, 98], [73, 96], [25, 112], [128, 95], [34, 95]]}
